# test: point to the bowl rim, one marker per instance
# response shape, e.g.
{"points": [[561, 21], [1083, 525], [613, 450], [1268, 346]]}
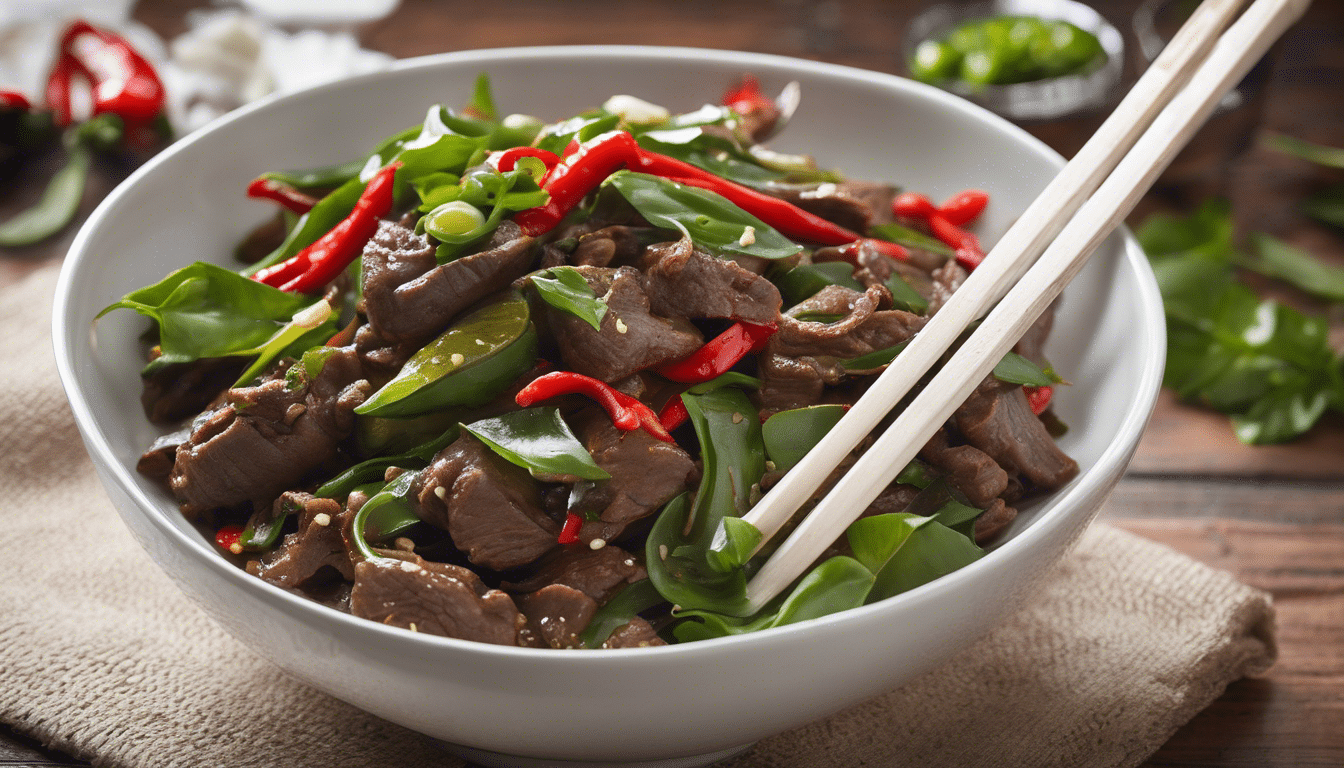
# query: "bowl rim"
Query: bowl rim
{"points": [[1112, 460]]}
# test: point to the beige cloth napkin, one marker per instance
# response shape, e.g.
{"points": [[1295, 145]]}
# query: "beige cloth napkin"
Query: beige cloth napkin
{"points": [[101, 657]]}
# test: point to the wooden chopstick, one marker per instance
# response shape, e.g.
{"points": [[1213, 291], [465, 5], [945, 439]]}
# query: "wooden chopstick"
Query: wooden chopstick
{"points": [[1005, 264], [1097, 215]]}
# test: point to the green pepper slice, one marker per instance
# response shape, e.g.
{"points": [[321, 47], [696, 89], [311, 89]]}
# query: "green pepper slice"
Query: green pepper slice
{"points": [[465, 366]]}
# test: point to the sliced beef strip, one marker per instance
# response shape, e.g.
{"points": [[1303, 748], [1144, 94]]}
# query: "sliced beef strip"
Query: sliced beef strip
{"points": [[788, 383], [863, 329], [997, 419], [490, 508], [874, 267], [855, 205], [616, 245], [438, 598], [968, 468], [894, 498], [266, 438], [409, 298], [631, 338], [645, 472], [1032, 343], [156, 462], [320, 541], [598, 573], [180, 390], [636, 633], [557, 614], [946, 280], [685, 282], [992, 521]]}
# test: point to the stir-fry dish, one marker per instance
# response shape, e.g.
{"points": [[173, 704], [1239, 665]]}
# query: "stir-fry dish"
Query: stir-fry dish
{"points": [[517, 382]]}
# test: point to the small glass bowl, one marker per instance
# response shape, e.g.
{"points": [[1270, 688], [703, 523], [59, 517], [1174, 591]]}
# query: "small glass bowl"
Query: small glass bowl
{"points": [[1039, 100]]}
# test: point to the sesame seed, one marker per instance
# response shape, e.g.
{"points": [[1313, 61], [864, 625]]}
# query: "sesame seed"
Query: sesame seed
{"points": [[414, 628], [662, 551], [236, 548], [597, 544], [737, 418], [621, 327], [441, 492], [480, 342], [458, 358], [322, 519], [770, 465], [404, 544], [409, 567], [629, 561], [748, 237]]}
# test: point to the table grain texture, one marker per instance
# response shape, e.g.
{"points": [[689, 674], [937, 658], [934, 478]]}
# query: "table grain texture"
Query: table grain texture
{"points": [[1272, 516]]}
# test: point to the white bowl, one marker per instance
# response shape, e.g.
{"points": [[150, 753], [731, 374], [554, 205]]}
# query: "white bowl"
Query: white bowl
{"points": [[647, 704]]}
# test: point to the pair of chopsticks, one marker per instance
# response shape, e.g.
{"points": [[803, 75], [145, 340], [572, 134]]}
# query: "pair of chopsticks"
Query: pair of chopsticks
{"points": [[1101, 185]]}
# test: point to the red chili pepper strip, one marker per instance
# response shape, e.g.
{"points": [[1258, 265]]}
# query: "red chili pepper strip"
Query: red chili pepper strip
{"points": [[673, 414], [964, 207], [718, 354], [574, 177], [1039, 398], [14, 100], [123, 82], [747, 97], [59, 83], [626, 412], [287, 196], [967, 246], [913, 206], [310, 269], [570, 533], [508, 159], [227, 538]]}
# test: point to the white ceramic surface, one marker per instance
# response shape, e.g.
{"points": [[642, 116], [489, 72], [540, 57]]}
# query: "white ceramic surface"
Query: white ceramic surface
{"points": [[644, 704]]}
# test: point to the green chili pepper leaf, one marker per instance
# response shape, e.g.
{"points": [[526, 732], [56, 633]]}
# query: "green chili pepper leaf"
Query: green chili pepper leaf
{"points": [[729, 379], [805, 280], [566, 290], [59, 203], [373, 469], [207, 311], [538, 440], [556, 136], [874, 360], [1276, 258], [904, 296], [1016, 369], [710, 220], [715, 153], [624, 606], [328, 212], [680, 572], [916, 473], [910, 238], [309, 327], [1327, 205], [789, 435], [1330, 157], [466, 365], [1282, 414], [904, 551], [386, 513]]}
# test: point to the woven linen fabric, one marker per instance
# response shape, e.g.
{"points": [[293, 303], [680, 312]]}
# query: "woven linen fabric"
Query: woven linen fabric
{"points": [[102, 657]]}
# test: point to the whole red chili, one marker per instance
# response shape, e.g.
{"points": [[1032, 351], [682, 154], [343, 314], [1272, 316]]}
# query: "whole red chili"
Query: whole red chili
{"points": [[969, 254], [1039, 398], [569, 534], [122, 81], [719, 354], [746, 97], [574, 177], [227, 538], [913, 206], [964, 207], [312, 268], [626, 412], [674, 414], [14, 100], [287, 196]]}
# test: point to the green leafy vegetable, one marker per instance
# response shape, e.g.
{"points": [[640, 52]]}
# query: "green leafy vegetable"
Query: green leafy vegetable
{"points": [[309, 327], [805, 280], [1279, 259], [1326, 205], [874, 360], [710, 220], [566, 290], [713, 152], [373, 469], [386, 513], [910, 238], [1267, 365], [207, 311], [1016, 369], [618, 611], [538, 440], [789, 435], [1330, 157], [482, 101]]}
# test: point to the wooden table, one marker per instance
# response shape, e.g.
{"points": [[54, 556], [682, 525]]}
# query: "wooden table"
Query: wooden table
{"points": [[1273, 516]]}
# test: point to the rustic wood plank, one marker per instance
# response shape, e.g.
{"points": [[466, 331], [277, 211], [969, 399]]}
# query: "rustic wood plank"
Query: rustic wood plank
{"points": [[1167, 496]]}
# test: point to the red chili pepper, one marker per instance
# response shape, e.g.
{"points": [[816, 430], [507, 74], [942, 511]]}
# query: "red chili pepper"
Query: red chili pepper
{"points": [[574, 177], [508, 159], [291, 198], [626, 412], [747, 97], [310, 269], [913, 206], [966, 245], [673, 414], [964, 207], [850, 251], [14, 100], [59, 83], [1039, 398], [227, 538], [570, 533], [718, 354], [122, 81]]}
